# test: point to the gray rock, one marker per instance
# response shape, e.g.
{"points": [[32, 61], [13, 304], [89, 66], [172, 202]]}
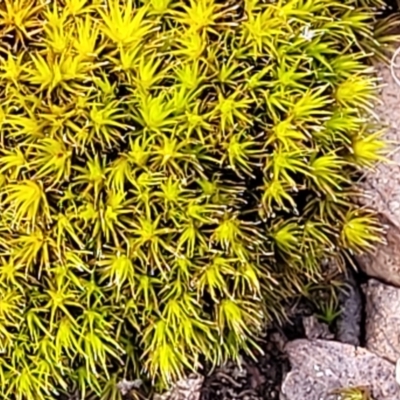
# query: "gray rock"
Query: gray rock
{"points": [[348, 324], [125, 386], [320, 367], [185, 389], [314, 329], [382, 329]]}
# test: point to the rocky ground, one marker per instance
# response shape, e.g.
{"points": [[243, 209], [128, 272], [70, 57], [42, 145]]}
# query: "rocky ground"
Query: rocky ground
{"points": [[309, 361], [320, 367]]}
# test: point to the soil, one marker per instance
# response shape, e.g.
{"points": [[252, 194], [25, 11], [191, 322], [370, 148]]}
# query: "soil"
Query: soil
{"points": [[259, 378], [253, 380]]}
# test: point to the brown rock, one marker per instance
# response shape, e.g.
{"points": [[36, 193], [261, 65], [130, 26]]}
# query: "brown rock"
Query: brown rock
{"points": [[321, 367], [382, 327], [384, 262], [382, 185]]}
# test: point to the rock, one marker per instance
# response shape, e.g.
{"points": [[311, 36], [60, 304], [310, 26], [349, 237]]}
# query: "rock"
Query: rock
{"points": [[320, 367], [126, 387], [381, 186], [185, 389], [348, 324], [384, 262], [315, 329], [382, 329]]}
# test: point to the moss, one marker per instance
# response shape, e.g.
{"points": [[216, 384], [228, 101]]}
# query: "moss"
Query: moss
{"points": [[171, 172], [357, 393]]}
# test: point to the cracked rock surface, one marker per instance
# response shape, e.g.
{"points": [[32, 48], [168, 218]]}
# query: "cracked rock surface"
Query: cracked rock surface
{"points": [[321, 367], [382, 327]]}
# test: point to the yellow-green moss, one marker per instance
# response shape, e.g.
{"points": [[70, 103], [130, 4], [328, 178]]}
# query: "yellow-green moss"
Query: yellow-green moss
{"points": [[170, 172]]}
